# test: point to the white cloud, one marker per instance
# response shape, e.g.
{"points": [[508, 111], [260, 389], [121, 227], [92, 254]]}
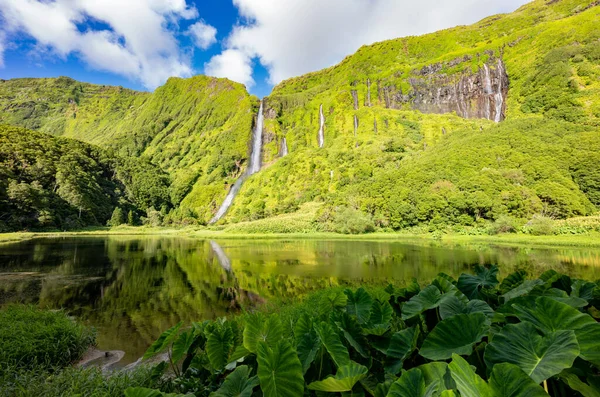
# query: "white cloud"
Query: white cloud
{"points": [[2, 48], [204, 35], [233, 64], [294, 37], [140, 44]]}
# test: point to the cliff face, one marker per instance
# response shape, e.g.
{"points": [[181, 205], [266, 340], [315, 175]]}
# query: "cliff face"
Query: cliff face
{"points": [[480, 94]]}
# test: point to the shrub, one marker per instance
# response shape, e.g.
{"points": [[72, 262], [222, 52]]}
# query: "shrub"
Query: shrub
{"points": [[32, 337], [117, 218], [352, 221], [504, 224], [540, 225]]}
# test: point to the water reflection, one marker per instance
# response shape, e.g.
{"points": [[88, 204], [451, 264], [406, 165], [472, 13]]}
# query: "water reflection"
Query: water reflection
{"points": [[132, 288]]}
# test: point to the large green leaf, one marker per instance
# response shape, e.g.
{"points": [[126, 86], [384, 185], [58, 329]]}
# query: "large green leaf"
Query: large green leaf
{"points": [[353, 333], [181, 345], [549, 315], [522, 289], [588, 338], [163, 341], [412, 384], [303, 326], [456, 334], [402, 344], [219, 346], [344, 380], [260, 330], [586, 390], [279, 370], [508, 380], [331, 340], [381, 313], [438, 371], [583, 289], [382, 389], [308, 346], [332, 301], [359, 304], [453, 305], [237, 384], [540, 357], [429, 298], [512, 281], [471, 285], [468, 383]]}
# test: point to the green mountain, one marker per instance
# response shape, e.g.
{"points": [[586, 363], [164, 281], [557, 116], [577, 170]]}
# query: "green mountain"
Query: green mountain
{"points": [[459, 127]]}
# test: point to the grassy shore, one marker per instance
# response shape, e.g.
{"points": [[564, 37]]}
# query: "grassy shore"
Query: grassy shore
{"points": [[581, 240]]}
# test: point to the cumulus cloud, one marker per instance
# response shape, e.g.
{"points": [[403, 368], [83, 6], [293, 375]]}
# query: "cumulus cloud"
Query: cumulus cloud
{"points": [[204, 35], [2, 48], [137, 38], [233, 64], [293, 37]]}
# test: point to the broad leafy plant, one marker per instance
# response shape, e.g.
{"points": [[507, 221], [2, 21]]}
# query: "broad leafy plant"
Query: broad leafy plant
{"points": [[475, 336]]}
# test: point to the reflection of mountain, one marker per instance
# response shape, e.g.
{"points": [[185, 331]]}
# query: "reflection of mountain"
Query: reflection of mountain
{"points": [[133, 288]]}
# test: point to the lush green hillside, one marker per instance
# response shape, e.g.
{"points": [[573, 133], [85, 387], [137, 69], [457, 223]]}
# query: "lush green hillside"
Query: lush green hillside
{"points": [[48, 182], [196, 129], [403, 167], [410, 132]]}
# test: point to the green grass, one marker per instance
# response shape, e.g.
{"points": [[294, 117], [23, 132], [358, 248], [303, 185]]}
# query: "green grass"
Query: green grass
{"points": [[31, 337]]}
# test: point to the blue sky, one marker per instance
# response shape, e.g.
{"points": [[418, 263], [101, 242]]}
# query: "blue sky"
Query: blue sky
{"points": [[140, 43]]}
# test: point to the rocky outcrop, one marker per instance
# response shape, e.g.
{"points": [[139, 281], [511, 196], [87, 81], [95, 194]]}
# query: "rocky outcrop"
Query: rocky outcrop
{"points": [[355, 98], [481, 94]]}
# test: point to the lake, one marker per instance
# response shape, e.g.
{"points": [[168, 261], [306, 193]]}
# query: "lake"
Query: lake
{"points": [[133, 288]]}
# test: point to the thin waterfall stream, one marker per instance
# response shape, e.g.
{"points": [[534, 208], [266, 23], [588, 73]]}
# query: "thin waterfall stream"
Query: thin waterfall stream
{"points": [[253, 166]]}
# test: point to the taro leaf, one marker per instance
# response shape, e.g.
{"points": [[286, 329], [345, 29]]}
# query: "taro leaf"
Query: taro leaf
{"points": [[448, 393], [237, 384], [523, 289], [402, 344], [508, 380], [412, 384], [471, 285], [303, 325], [353, 334], [577, 384], [279, 370], [219, 345], [452, 306], [540, 357], [260, 330], [359, 304], [308, 346], [144, 392], [344, 380], [429, 298], [379, 321], [239, 353], [163, 341], [408, 292], [583, 289], [549, 315], [438, 371], [182, 345], [382, 389], [468, 383], [456, 334], [333, 344], [381, 295], [588, 337], [512, 281], [332, 301]]}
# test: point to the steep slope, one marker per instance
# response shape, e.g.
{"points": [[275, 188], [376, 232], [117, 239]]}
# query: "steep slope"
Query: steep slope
{"points": [[197, 129], [61, 183], [394, 109]]}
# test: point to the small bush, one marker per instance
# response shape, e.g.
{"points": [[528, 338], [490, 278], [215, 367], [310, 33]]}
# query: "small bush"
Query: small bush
{"points": [[351, 221], [504, 224], [31, 337], [540, 225]]}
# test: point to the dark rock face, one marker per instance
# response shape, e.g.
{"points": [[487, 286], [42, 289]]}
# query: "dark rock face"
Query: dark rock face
{"points": [[355, 98], [480, 94]]}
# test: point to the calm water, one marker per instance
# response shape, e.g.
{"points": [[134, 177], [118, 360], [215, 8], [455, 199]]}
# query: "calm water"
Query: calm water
{"points": [[133, 288]]}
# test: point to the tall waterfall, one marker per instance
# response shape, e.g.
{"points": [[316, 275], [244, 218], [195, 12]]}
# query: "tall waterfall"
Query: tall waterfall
{"points": [[487, 91], [321, 127], [284, 147], [253, 166], [498, 97]]}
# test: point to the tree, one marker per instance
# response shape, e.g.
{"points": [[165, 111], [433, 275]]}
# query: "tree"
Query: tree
{"points": [[131, 218], [117, 218]]}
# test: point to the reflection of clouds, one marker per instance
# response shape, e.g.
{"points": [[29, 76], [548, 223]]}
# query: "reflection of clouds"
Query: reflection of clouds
{"points": [[221, 256]]}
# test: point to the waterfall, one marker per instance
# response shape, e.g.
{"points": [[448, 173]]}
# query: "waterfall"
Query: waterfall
{"points": [[487, 91], [355, 124], [253, 166], [368, 101], [498, 97], [322, 126], [284, 147], [221, 256]]}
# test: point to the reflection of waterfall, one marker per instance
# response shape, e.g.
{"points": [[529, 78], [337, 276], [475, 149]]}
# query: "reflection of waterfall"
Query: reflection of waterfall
{"points": [[284, 148], [253, 166], [355, 124], [221, 256], [498, 97], [321, 127]]}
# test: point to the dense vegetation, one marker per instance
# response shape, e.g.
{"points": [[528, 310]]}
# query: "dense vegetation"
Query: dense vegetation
{"points": [[49, 182], [384, 165], [474, 336]]}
